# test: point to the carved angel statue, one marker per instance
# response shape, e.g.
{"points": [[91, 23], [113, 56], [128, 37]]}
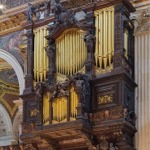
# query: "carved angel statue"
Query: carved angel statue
{"points": [[30, 12], [56, 7], [89, 39]]}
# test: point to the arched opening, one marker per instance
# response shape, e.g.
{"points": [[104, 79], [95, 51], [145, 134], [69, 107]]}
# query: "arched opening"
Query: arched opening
{"points": [[16, 66], [10, 116], [6, 136]]}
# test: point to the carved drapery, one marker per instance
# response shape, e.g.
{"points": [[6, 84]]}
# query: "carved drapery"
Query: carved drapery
{"points": [[40, 56], [70, 51], [104, 49]]}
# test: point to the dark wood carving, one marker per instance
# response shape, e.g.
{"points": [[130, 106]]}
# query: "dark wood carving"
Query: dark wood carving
{"points": [[29, 73]]}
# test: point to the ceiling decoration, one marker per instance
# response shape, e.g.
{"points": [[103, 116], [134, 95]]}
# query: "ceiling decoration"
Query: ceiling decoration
{"points": [[12, 19]]}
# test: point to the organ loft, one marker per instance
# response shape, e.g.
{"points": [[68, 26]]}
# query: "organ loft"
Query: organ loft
{"points": [[79, 81], [79, 76]]}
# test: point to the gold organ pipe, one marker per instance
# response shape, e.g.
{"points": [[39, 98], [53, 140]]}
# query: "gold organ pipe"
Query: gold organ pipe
{"points": [[44, 61], [56, 111], [73, 58], [109, 37], [80, 50], [105, 38], [71, 50], [57, 55], [41, 54], [60, 63], [97, 39], [74, 99], [42, 57], [65, 64], [61, 113], [47, 62], [62, 52], [112, 31], [64, 40], [76, 51], [38, 54], [101, 47], [63, 56], [68, 50], [64, 46], [59, 109]]}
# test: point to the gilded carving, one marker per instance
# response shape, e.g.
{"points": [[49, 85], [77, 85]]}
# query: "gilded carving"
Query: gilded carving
{"points": [[34, 112], [105, 99]]}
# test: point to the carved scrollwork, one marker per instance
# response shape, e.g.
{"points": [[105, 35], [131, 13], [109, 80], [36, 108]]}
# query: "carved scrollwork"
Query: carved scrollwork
{"points": [[114, 113]]}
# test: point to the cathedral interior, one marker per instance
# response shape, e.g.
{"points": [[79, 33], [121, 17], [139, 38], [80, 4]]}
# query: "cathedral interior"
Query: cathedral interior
{"points": [[74, 75]]}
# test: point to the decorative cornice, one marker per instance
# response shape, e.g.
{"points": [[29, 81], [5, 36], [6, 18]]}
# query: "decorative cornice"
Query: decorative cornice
{"points": [[141, 21]]}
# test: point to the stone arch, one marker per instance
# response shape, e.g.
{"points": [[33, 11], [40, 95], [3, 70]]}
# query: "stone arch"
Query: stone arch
{"points": [[10, 137], [16, 66]]}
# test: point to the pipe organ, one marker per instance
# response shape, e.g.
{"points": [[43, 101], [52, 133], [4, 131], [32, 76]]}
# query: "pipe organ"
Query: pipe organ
{"points": [[104, 49], [71, 51], [40, 56], [84, 93]]}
